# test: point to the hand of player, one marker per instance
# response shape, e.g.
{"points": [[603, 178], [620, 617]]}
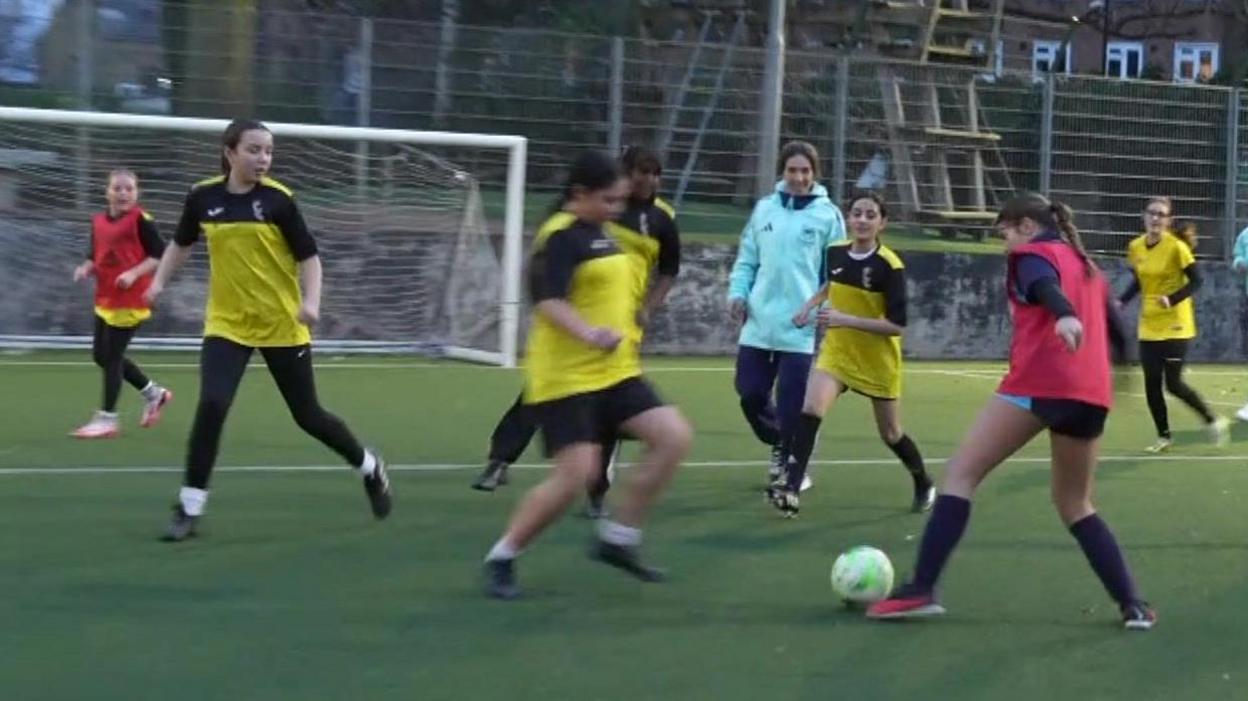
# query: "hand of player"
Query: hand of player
{"points": [[308, 314], [801, 318], [643, 317], [84, 271], [153, 291], [831, 318], [1070, 330], [738, 310], [126, 280], [1163, 302], [1239, 266], [604, 338]]}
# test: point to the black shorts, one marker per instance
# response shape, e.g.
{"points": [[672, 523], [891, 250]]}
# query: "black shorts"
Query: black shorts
{"points": [[1065, 417], [1070, 417], [592, 417]]}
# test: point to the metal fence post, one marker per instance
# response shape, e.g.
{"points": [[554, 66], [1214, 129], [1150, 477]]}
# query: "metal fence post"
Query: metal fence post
{"points": [[771, 102], [1046, 137], [1234, 100], [615, 133], [364, 103], [86, 90], [841, 133]]}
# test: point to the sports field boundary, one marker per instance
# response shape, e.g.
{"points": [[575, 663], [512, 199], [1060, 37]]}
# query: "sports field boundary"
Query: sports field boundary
{"points": [[960, 367], [455, 467]]}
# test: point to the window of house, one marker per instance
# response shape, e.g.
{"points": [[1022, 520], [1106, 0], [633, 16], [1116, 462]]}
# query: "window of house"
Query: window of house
{"points": [[1194, 61], [1125, 59], [1049, 56]]}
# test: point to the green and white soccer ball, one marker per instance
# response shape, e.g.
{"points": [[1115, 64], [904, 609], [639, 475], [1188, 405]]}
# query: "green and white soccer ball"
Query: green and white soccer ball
{"points": [[862, 575]]}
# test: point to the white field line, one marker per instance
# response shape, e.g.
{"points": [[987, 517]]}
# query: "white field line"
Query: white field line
{"points": [[452, 467], [995, 370]]}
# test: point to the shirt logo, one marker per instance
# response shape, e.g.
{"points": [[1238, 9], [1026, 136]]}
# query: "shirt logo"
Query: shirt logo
{"points": [[767, 227], [644, 223], [837, 271], [215, 211], [600, 244], [257, 209]]}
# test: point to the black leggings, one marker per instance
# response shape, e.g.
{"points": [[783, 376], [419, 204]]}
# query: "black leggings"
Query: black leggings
{"points": [[221, 366], [1163, 363], [515, 430], [108, 349]]}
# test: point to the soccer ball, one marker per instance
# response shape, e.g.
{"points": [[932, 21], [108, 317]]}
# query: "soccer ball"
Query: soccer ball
{"points": [[862, 575]]}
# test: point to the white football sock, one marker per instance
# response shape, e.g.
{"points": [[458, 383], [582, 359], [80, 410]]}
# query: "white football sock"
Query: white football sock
{"points": [[502, 550], [369, 466], [618, 533], [193, 500]]}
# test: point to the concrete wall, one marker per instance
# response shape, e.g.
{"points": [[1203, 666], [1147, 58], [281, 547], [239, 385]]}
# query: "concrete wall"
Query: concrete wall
{"points": [[957, 307], [393, 289]]}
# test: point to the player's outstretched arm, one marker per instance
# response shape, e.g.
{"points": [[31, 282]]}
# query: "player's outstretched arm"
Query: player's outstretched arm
{"points": [[175, 255]]}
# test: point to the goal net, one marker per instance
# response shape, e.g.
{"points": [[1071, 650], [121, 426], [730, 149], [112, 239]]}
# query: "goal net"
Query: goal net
{"points": [[419, 232]]}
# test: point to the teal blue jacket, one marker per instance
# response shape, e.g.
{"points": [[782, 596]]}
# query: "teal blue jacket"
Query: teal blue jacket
{"points": [[780, 265], [1239, 261]]}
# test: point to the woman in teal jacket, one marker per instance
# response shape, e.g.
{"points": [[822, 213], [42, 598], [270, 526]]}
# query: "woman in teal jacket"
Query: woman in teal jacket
{"points": [[779, 266], [1239, 263]]}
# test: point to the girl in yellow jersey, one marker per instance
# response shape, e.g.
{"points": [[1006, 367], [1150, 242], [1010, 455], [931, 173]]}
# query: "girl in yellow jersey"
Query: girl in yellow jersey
{"points": [[583, 377], [865, 316], [1166, 276], [264, 290]]}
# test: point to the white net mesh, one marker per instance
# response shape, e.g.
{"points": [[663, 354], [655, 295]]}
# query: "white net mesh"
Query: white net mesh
{"points": [[410, 262]]}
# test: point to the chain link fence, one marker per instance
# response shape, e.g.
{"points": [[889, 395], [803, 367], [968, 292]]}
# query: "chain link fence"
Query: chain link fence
{"points": [[940, 140]]}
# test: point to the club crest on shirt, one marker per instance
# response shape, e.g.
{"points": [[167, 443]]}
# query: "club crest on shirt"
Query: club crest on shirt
{"points": [[257, 209]]}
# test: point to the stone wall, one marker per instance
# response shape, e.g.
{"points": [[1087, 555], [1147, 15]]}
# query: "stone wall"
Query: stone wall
{"points": [[957, 306]]}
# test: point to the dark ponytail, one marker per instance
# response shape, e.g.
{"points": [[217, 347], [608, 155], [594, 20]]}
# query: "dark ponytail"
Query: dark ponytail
{"points": [[590, 171], [233, 134], [1050, 215], [1187, 234]]}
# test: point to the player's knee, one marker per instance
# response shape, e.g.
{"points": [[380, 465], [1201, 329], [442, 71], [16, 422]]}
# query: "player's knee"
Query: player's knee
{"points": [[312, 419], [753, 404], [678, 438], [100, 357], [890, 433], [1072, 507], [213, 407]]}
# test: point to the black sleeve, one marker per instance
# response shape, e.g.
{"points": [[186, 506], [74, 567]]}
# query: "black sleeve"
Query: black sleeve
{"points": [[895, 297], [669, 248], [552, 267], [1048, 292], [188, 226], [1132, 290], [294, 230], [91, 243], [153, 244], [1194, 281], [1117, 333]]}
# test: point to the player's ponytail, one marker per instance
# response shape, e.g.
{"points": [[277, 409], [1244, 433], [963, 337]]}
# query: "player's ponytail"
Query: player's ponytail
{"points": [[591, 171], [1187, 234], [1064, 221], [1054, 216], [233, 134]]}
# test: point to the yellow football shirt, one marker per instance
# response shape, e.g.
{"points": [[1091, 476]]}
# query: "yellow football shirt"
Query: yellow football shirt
{"points": [[581, 264], [255, 243], [1159, 269], [873, 287]]}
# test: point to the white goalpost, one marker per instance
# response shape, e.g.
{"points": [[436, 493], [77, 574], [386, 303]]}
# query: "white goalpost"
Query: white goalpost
{"points": [[420, 231]]}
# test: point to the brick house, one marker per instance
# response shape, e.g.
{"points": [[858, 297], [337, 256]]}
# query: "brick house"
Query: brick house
{"points": [[1182, 41]]}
